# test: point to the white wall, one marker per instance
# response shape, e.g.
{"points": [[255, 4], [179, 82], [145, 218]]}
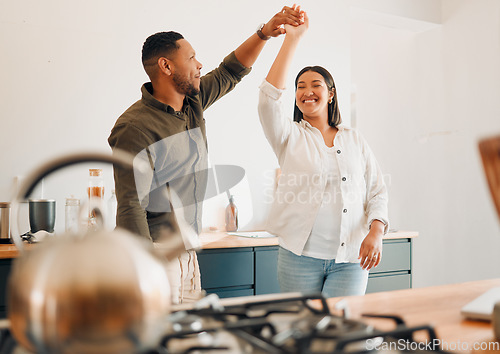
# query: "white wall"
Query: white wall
{"points": [[70, 68], [424, 99], [421, 10]]}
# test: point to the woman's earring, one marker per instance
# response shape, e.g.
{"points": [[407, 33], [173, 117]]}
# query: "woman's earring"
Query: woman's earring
{"points": [[330, 101]]}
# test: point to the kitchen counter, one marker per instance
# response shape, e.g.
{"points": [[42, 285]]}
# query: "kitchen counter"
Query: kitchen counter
{"points": [[211, 240], [8, 251], [438, 306]]}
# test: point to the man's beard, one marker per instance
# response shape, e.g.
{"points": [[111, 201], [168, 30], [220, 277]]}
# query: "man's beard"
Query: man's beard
{"points": [[184, 86]]}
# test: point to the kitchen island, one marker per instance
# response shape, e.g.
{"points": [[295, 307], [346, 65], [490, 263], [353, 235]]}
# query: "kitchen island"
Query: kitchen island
{"points": [[239, 266]]}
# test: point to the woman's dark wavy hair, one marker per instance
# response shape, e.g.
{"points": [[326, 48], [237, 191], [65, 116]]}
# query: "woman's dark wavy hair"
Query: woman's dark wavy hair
{"points": [[334, 118]]}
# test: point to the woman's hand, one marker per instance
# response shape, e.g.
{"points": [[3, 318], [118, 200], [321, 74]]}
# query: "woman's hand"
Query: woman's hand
{"points": [[279, 69], [288, 16], [370, 252], [298, 31]]}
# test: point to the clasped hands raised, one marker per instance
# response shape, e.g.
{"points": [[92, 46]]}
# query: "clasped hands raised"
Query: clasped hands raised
{"points": [[290, 20]]}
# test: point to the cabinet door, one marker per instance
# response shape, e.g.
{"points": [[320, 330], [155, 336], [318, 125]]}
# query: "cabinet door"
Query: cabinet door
{"points": [[266, 270], [5, 265], [389, 281], [396, 255], [226, 267]]}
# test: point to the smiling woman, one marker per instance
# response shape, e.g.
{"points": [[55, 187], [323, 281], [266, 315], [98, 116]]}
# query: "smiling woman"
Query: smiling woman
{"points": [[315, 99], [326, 244]]}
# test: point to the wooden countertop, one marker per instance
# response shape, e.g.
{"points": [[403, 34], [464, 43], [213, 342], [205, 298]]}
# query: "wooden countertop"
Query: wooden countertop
{"points": [[211, 240], [438, 306], [8, 251]]}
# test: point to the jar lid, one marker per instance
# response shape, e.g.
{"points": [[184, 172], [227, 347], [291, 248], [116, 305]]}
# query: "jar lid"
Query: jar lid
{"points": [[95, 171], [4, 204], [72, 201]]}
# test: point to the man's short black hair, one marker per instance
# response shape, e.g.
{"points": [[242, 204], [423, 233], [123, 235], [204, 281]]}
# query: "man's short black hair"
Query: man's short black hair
{"points": [[161, 44]]}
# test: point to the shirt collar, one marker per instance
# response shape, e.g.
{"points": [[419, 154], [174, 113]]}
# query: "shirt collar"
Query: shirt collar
{"points": [[304, 123], [148, 98]]}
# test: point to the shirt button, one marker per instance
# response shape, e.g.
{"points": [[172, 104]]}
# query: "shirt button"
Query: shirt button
{"points": [[338, 151], [345, 210], [344, 179], [342, 244]]}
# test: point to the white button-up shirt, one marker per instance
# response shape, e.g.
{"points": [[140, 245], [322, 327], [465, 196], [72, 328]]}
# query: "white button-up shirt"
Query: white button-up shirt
{"points": [[302, 158]]}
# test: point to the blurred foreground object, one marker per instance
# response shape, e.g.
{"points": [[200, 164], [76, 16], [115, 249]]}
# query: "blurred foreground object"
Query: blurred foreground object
{"points": [[490, 154], [94, 291], [104, 292]]}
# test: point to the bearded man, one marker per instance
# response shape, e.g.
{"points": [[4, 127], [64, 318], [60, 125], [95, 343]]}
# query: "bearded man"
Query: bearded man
{"points": [[167, 129]]}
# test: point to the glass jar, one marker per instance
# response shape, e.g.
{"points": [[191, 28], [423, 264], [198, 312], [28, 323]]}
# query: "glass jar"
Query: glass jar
{"points": [[72, 215], [112, 206]]}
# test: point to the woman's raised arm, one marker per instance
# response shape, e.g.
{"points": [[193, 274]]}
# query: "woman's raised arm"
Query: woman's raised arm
{"points": [[279, 70]]}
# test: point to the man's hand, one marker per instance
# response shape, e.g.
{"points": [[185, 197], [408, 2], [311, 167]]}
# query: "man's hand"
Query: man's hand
{"points": [[287, 16]]}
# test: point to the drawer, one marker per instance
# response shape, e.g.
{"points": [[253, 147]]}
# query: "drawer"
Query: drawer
{"points": [[395, 257], [223, 269], [388, 282]]}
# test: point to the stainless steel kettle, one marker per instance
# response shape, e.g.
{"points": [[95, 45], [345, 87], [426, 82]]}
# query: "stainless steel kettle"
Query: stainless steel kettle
{"points": [[98, 292]]}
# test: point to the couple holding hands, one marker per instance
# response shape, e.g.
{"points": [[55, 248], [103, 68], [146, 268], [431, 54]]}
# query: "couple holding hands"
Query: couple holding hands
{"points": [[327, 244]]}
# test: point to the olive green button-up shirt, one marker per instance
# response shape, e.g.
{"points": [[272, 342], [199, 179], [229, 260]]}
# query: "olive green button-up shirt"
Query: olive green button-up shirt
{"points": [[175, 145]]}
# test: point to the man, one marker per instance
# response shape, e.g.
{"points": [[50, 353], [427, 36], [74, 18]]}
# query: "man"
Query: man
{"points": [[166, 128]]}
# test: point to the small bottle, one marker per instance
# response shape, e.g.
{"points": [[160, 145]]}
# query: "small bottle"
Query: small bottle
{"points": [[96, 183], [72, 215], [231, 215], [95, 192]]}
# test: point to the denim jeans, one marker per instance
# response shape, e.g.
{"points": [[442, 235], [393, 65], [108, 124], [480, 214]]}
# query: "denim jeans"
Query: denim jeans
{"points": [[307, 274]]}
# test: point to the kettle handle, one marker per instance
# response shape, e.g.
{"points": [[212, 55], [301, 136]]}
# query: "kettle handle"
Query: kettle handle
{"points": [[118, 157]]}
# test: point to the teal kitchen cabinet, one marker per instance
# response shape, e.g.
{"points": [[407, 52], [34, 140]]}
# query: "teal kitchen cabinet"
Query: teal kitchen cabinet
{"points": [[5, 265], [227, 272], [236, 271], [266, 270], [395, 270], [230, 272]]}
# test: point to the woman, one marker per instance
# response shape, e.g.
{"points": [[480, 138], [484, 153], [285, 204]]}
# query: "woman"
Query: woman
{"points": [[330, 207]]}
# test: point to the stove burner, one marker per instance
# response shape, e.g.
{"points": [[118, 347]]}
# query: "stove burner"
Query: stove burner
{"points": [[290, 324]]}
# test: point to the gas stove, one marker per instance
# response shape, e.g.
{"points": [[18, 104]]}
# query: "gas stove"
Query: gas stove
{"points": [[287, 324], [290, 323]]}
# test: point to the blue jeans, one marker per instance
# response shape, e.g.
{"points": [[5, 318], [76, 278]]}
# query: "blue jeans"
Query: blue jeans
{"points": [[307, 274]]}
